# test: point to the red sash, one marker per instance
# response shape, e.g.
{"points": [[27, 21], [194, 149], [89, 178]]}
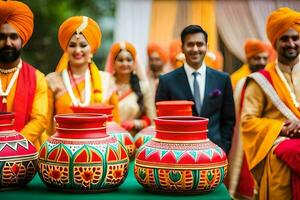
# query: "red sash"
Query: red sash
{"points": [[289, 152], [24, 96]]}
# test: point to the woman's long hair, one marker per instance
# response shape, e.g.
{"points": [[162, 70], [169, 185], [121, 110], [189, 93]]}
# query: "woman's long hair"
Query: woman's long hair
{"points": [[135, 86]]}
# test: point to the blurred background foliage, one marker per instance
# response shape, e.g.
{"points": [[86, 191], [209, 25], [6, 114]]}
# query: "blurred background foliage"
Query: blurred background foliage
{"points": [[43, 50]]}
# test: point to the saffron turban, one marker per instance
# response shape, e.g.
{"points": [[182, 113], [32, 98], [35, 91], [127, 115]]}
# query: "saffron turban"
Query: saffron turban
{"points": [[214, 59], [80, 24], [253, 47], [280, 21], [176, 56], [117, 47], [19, 16], [115, 50], [152, 47]]}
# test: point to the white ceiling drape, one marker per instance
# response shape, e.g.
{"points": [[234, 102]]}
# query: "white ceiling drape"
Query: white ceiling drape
{"points": [[132, 24]]}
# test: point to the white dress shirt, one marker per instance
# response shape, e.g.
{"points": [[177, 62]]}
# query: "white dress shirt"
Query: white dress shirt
{"points": [[201, 78]]}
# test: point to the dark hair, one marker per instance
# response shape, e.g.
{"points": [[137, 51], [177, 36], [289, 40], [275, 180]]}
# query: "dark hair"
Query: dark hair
{"points": [[135, 86], [191, 29]]}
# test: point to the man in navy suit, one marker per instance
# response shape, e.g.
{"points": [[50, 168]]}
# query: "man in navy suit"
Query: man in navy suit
{"points": [[210, 90]]}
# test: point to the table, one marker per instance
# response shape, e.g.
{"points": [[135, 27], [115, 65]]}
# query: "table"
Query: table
{"points": [[130, 189]]}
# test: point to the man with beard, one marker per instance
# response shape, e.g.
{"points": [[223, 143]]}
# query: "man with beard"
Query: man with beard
{"points": [[157, 59], [23, 89], [257, 55], [270, 117], [210, 90]]}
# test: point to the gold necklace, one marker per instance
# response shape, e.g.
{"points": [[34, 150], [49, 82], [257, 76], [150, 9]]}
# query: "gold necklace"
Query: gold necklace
{"points": [[7, 71], [5, 93]]}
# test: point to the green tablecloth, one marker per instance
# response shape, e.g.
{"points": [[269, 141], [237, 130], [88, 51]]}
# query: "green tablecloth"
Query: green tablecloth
{"points": [[130, 189]]}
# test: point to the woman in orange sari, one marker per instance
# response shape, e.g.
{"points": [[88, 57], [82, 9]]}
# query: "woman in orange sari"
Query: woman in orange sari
{"points": [[136, 104], [77, 80]]}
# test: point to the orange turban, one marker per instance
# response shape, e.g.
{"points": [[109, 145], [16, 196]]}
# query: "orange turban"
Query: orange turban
{"points": [[18, 15], [152, 47], [114, 51], [253, 47], [280, 21], [176, 56], [80, 24], [214, 59]]}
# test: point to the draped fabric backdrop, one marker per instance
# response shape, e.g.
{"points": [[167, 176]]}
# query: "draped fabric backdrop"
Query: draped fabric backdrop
{"points": [[161, 21], [170, 17], [132, 24], [240, 20]]}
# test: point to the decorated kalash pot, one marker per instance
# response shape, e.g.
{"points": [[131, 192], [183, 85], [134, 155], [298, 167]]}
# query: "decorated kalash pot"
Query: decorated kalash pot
{"points": [[164, 108], [180, 158], [112, 128], [81, 156], [18, 156]]}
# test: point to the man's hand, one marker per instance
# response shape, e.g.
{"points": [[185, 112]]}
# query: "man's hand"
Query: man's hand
{"points": [[291, 129]]}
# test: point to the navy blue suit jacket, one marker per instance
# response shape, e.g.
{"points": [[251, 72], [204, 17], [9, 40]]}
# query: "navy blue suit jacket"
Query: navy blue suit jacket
{"points": [[218, 103]]}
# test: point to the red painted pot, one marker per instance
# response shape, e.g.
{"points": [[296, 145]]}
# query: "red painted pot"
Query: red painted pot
{"points": [[180, 157], [174, 108], [112, 127], [164, 108], [18, 156], [81, 156]]}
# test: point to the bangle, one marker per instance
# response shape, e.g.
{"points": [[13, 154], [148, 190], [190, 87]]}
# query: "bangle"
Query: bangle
{"points": [[138, 124]]}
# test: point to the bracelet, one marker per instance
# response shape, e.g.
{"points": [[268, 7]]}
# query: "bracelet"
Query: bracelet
{"points": [[138, 124]]}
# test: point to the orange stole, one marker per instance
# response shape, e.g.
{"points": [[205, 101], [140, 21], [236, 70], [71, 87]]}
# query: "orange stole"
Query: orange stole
{"points": [[281, 90]]}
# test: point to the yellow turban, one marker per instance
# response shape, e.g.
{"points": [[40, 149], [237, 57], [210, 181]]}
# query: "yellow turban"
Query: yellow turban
{"points": [[152, 47], [80, 24], [280, 21], [253, 47], [18, 15]]}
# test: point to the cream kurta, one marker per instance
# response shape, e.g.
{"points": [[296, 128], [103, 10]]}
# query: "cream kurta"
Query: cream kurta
{"points": [[129, 108]]}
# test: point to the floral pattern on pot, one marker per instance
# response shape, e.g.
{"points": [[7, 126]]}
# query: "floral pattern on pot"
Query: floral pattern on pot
{"points": [[94, 162]]}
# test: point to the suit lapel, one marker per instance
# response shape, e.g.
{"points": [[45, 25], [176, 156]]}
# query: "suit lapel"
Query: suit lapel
{"points": [[209, 86]]}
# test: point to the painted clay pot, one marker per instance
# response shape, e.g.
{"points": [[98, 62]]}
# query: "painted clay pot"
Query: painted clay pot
{"points": [[164, 108], [180, 158], [81, 156], [18, 156], [112, 128]]}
